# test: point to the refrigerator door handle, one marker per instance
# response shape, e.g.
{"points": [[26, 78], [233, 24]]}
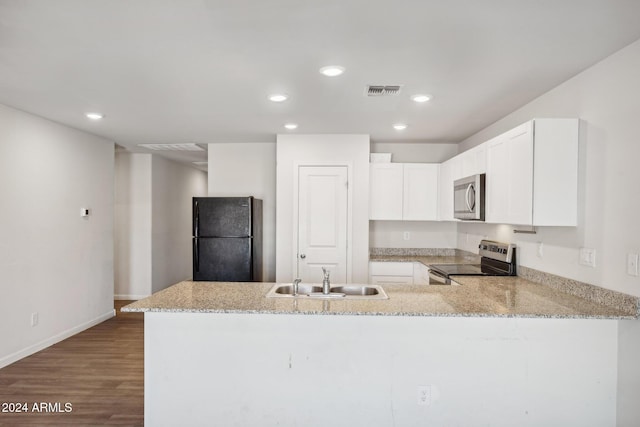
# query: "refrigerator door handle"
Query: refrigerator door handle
{"points": [[196, 222], [196, 255]]}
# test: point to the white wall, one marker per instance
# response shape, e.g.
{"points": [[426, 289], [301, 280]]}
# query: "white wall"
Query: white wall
{"points": [[52, 261], [324, 149], [422, 234], [366, 370], [605, 98], [249, 169], [132, 270], [153, 222], [173, 186]]}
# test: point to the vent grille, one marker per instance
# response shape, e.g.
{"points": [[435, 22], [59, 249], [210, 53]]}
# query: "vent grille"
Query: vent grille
{"points": [[382, 90], [172, 147]]}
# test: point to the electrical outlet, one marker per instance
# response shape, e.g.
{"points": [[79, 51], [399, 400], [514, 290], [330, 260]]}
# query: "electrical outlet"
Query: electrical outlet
{"points": [[406, 235], [540, 250], [588, 257], [34, 319], [632, 264], [424, 395]]}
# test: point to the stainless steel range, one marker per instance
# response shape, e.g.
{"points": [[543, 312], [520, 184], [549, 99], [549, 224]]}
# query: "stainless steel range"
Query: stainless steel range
{"points": [[497, 259]]}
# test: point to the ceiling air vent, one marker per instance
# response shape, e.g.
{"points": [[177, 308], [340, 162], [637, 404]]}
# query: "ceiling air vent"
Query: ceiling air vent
{"points": [[172, 147], [379, 90]]}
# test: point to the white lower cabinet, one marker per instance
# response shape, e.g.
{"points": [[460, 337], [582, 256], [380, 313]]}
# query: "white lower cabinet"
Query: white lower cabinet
{"points": [[398, 273], [391, 280], [420, 274]]}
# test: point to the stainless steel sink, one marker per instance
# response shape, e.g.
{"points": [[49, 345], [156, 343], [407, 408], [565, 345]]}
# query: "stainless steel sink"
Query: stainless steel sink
{"points": [[337, 292], [357, 290], [287, 290]]}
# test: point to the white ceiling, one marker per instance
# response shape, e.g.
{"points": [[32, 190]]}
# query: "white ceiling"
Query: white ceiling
{"points": [[172, 71]]}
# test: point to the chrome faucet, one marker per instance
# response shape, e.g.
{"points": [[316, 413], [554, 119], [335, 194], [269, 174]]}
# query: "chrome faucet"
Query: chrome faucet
{"points": [[294, 290], [326, 284]]}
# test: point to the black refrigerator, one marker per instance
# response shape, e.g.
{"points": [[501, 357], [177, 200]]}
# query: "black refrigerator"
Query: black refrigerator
{"points": [[227, 239]]}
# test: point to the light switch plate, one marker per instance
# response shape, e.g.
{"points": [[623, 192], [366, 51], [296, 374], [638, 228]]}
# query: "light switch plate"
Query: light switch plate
{"points": [[588, 257]]}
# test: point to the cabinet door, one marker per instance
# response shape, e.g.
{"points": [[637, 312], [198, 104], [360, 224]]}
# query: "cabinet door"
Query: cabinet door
{"points": [[420, 192], [456, 167], [386, 186], [509, 181], [497, 185], [445, 192], [420, 274], [520, 175], [480, 158]]}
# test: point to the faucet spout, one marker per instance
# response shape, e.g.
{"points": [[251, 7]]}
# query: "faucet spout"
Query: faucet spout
{"points": [[326, 284], [294, 290]]}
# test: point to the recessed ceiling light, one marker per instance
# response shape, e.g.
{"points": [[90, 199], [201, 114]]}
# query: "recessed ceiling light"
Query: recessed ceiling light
{"points": [[94, 116], [278, 97], [399, 126], [332, 70], [421, 98], [291, 126]]}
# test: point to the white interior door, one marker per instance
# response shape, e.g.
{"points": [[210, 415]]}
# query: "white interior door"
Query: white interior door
{"points": [[322, 222]]}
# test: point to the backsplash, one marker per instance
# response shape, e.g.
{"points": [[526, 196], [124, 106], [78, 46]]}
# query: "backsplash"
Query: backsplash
{"points": [[587, 291], [412, 252], [416, 252]]}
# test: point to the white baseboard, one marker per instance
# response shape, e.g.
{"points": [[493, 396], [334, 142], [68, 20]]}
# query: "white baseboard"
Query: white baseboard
{"points": [[20, 354], [129, 297]]}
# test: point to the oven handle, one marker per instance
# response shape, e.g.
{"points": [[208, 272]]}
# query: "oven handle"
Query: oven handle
{"points": [[438, 278]]}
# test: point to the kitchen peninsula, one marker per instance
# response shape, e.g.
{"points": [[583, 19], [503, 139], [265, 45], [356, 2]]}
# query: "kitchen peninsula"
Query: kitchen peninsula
{"points": [[499, 351]]}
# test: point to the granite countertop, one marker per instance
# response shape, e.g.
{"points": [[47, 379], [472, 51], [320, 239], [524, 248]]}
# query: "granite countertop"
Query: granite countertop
{"points": [[476, 297], [427, 259]]}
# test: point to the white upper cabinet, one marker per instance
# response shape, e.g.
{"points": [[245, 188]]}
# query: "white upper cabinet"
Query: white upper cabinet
{"points": [[386, 187], [420, 192], [445, 189], [532, 174], [473, 161], [403, 191]]}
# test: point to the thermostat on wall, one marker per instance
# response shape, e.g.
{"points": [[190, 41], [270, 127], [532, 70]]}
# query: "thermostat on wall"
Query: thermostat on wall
{"points": [[84, 211]]}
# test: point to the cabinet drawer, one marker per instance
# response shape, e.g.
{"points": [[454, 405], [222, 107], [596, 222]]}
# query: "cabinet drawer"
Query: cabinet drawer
{"points": [[391, 269], [391, 280]]}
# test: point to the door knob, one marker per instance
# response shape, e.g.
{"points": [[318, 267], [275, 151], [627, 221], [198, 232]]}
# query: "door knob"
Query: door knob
{"points": [[302, 256]]}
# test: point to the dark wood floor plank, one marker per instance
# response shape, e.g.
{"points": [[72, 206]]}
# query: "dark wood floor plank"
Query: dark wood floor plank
{"points": [[99, 371]]}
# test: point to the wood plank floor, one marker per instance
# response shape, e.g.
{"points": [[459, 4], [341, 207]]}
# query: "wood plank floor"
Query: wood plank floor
{"points": [[100, 372]]}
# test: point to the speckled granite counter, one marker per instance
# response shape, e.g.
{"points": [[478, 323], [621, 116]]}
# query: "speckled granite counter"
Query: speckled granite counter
{"points": [[427, 259], [476, 297]]}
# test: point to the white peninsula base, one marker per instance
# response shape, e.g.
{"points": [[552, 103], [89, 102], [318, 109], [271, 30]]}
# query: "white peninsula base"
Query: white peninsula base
{"points": [[206, 369]]}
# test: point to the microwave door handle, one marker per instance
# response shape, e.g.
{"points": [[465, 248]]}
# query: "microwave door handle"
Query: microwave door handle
{"points": [[466, 197]]}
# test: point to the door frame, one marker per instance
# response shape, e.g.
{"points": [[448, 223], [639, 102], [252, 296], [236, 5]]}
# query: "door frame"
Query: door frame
{"points": [[296, 181]]}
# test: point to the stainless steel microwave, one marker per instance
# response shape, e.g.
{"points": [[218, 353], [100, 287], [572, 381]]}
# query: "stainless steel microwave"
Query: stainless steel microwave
{"points": [[468, 198]]}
